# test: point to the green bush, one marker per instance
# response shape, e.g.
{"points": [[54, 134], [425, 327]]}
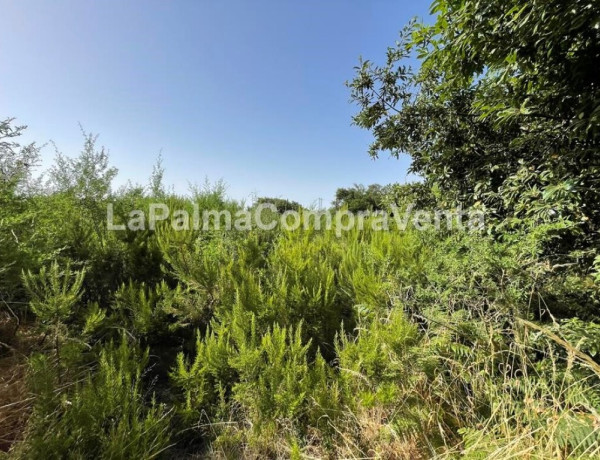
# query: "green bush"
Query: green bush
{"points": [[106, 414]]}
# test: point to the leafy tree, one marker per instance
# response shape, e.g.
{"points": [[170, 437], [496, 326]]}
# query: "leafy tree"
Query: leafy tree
{"points": [[16, 213], [281, 204], [503, 111], [419, 194], [16, 161], [86, 178], [360, 198]]}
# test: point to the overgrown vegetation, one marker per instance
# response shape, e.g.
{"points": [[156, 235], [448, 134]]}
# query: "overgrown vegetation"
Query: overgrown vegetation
{"points": [[306, 344]]}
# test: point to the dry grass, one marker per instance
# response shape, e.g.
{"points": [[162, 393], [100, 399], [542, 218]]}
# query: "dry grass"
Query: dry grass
{"points": [[15, 402], [369, 435]]}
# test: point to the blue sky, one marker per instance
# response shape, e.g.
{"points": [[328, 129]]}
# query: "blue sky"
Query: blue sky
{"points": [[251, 92]]}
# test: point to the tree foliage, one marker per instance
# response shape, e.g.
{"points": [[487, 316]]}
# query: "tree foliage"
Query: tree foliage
{"points": [[281, 204], [360, 198], [502, 111]]}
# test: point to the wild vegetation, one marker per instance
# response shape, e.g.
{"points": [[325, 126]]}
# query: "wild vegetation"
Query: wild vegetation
{"points": [[305, 344]]}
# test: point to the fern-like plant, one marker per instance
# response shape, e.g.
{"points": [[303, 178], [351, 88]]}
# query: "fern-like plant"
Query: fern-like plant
{"points": [[54, 293]]}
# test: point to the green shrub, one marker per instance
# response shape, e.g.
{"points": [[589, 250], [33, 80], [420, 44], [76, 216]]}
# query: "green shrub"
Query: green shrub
{"points": [[105, 415]]}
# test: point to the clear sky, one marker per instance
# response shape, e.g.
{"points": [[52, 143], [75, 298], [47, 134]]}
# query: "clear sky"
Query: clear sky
{"points": [[248, 91]]}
